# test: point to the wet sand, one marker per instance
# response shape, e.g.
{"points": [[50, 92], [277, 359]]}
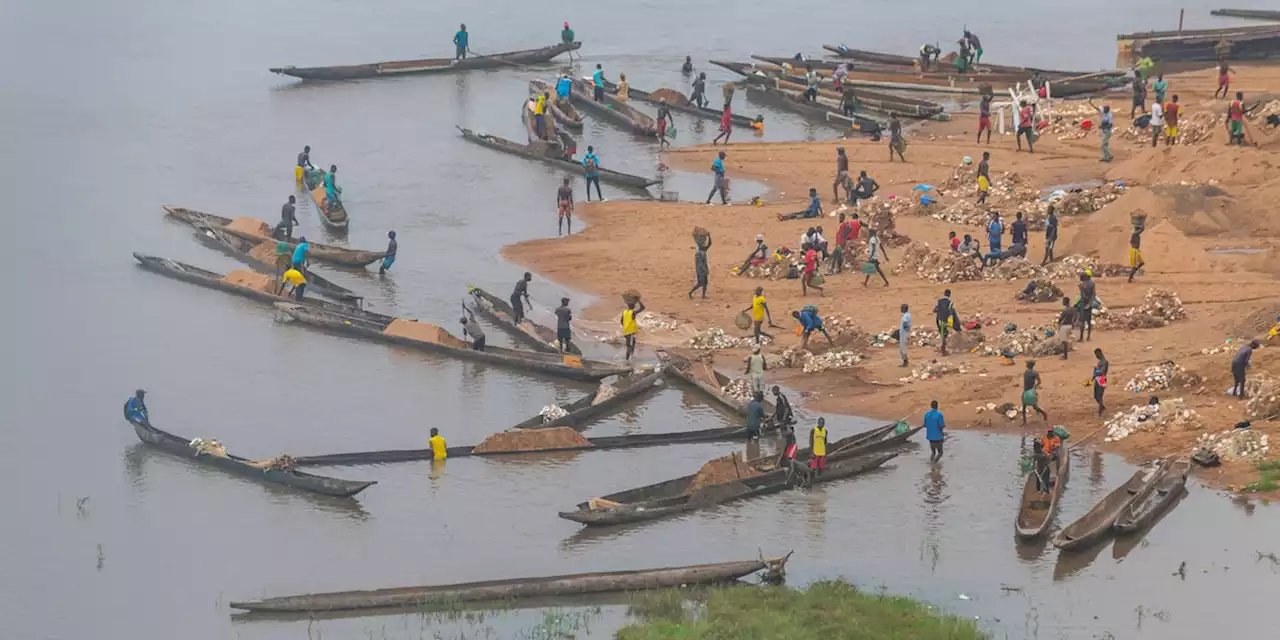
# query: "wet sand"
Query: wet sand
{"points": [[1199, 198]]}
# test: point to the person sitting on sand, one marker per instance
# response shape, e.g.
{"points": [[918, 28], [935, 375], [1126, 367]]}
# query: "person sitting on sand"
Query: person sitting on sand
{"points": [[814, 210]]}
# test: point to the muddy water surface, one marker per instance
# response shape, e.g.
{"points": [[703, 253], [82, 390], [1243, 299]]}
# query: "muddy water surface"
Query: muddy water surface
{"points": [[111, 109]]}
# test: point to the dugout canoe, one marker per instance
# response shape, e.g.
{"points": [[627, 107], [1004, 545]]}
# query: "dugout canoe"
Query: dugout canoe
{"points": [[586, 408], [563, 111], [1168, 489], [327, 253], [513, 59], [214, 280], [886, 103], [713, 495], [1249, 14], [528, 332], [611, 109], [894, 60], [846, 457], [615, 178], [689, 108], [706, 379], [517, 588], [1036, 509], [1095, 524], [245, 468], [240, 249], [817, 112], [428, 337], [606, 443], [333, 219]]}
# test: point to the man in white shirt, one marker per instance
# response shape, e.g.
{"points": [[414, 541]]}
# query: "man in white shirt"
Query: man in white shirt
{"points": [[1157, 122], [904, 333]]}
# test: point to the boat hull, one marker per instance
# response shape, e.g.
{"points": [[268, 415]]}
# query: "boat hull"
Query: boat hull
{"points": [[615, 178], [326, 253], [1033, 523], [1092, 526], [513, 59]]}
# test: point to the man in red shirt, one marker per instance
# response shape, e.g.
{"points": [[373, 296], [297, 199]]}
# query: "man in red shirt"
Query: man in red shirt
{"points": [[955, 242], [1235, 119], [1026, 126], [842, 238], [1171, 112], [810, 270]]}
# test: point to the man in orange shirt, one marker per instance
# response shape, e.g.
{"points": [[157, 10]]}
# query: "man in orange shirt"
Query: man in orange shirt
{"points": [[1171, 113]]}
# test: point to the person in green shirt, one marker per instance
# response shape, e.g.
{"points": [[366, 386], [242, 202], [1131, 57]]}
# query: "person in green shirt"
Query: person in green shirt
{"points": [[1143, 67], [1160, 87], [567, 37]]}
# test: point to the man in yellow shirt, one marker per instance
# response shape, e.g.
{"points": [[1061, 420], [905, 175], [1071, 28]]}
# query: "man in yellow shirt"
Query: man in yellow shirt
{"points": [[439, 449], [629, 326], [540, 115], [759, 312], [818, 448], [294, 280]]}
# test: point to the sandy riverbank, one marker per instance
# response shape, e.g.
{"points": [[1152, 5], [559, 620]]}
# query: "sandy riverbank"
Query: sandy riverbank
{"points": [[1199, 197]]}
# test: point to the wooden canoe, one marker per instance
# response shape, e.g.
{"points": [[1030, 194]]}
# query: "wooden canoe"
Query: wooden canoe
{"points": [[327, 253], [1036, 509], [510, 59], [689, 108], [894, 60], [239, 248], [517, 588], [213, 280], [816, 112], [619, 113], [876, 101], [376, 330], [333, 219], [607, 443], [563, 111], [1171, 485], [182, 448], [615, 178], [706, 379], [1095, 524], [585, 409], [674, 496], [528, 332], [1248, 14], [712, 495]]}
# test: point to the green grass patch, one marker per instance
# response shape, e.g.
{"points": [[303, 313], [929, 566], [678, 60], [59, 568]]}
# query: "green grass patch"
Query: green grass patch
{"points": [[1268, 477], [823, 611]]}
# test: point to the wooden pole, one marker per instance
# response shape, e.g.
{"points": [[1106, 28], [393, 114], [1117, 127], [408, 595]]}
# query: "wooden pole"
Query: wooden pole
{"points": [[1181, 14]]}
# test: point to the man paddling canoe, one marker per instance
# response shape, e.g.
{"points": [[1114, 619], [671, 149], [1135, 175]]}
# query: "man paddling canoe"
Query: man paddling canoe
{"points": [[521, 291], [461, 42], [471, 328], [135, 409]]}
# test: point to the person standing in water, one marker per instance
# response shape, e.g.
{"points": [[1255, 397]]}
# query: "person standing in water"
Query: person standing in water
{"points": [[687, 67], [439, 448], [389, 258], [699, 96], [564, 207], [461, 43], [934, 427], [629, 326], [664, 116], [520, 295]]}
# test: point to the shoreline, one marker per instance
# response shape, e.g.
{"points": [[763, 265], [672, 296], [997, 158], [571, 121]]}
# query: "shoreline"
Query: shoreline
{"points": [[1200, 197]]}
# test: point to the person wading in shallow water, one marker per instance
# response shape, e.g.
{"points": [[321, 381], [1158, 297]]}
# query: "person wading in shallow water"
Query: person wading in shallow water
{"points": [[519, 295], [1030, 391], [717, 167], [934, 424], [1100, 371], [629, 325], [390, 257]]}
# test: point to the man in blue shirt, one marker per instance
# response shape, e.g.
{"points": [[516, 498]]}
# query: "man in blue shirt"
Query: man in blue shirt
{"points": [[810, 321], [300, 253], [813, 211], [460, 41], [591, 167], [597, 81], [135, 410], [564, 87], [934, 423], [718, 167], [995, 230]]}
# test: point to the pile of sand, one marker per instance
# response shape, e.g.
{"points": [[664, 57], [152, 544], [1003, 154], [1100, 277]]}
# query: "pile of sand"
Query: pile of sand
{"points": [[532, 440], [1160, 377], [1039, 291], [422, 331], [605, 392], [249, 226], [730, 468], [671, 96], [265, 252], [251, 280], [1159, 307]]}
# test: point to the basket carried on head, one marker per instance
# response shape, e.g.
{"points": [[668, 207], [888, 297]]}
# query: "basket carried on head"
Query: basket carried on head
{"points": [[701, 237], [631, 296], [1139, 220]]}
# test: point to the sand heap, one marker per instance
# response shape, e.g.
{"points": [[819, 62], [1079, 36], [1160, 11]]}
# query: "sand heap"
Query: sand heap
{"points": [[1236, 444], [730, 468], [738, 388], [552, 412], [1039, 291], [716, 338], [251, 280], [424, 332], [1159, 377], [1153, 417], [265, 252], [1263, 396], [1159, 307], [831, 360], [670, 95], [1031, 341], [249, 226], [932, 370], [934, 265], [532, 440]]}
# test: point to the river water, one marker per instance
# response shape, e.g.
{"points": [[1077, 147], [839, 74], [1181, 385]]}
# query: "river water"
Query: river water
{"points": [[112, 109]]}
